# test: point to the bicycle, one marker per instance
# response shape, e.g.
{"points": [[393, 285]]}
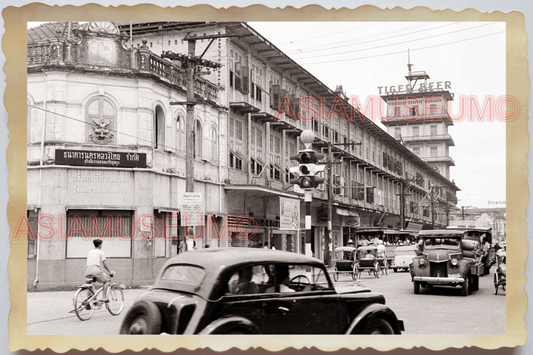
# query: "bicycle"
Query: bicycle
{"points": [[86, 299]]}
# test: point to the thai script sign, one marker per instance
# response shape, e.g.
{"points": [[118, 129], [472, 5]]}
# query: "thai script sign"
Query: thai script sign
{"points": [[289, 213], [99, 158], [192, 209]]}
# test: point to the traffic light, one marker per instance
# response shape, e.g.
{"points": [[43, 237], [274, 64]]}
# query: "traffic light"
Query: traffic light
{"points": [[307, 170]]}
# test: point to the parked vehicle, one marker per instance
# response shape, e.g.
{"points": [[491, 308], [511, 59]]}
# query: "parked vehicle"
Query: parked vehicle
{"points": [[344, 262], [444, 261], [254, 291], [369, 260], [403, 257]]}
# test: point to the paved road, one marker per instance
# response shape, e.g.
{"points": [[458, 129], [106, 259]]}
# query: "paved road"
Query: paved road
{"points": [[438, 310]]}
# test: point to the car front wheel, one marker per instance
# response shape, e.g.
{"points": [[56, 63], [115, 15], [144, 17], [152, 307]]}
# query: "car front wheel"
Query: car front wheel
{"points": [[379, 326], [464, 288], [143, 318]]}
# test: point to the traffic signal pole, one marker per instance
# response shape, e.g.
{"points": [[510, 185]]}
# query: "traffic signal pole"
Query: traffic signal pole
{"points": [[308, 198]]}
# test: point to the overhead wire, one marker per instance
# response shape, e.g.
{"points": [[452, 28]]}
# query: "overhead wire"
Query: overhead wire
{"points": [[403, 51], [388, 45], [358, 40], [138, 138]]}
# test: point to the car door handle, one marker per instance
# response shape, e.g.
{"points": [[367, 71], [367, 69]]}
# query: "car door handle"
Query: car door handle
{"points": [[284, 309]]}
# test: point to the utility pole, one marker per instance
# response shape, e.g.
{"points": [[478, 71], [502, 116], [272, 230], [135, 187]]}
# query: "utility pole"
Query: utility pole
{"points": [[330, 205], [330, 163], [192, 62], [432, 208], [189, 121]]}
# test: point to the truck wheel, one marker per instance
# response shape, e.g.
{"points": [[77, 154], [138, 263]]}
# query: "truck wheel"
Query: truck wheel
{"points": [[475, 283], [464, 288], [416, 285]]}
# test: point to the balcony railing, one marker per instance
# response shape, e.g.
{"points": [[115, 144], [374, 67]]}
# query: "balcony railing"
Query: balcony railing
{"points": [[61, 53], [439, 159], [429, 138]]}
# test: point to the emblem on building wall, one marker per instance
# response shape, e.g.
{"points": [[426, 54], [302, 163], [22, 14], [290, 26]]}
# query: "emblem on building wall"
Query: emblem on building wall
{"points": [[102, 134]]}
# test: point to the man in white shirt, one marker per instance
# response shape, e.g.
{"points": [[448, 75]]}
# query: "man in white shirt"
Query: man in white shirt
{"points": [[283, 280], [95, 257]]}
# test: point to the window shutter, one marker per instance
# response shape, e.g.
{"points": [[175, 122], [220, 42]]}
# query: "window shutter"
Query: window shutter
{"points": [[238, 83], [245, 80], [275, 97]]}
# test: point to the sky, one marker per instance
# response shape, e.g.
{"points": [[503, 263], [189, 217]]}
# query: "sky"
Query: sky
{"points": [[362, 56]]}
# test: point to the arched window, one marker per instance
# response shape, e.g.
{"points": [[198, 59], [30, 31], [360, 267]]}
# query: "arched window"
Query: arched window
{"points": [[101, 116], [180, 133], [213, 143], [159, 128], [198, 139]]}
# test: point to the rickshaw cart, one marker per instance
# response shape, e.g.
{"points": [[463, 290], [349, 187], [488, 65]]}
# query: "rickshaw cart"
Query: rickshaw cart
{"points": [[372, 265], [500, 276], [344, 258]]}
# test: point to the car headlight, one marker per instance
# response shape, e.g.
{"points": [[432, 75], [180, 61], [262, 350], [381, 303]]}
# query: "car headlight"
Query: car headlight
{"points": [[422, 262], [454, 262]]}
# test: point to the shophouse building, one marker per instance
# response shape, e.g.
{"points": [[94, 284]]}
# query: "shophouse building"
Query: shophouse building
{"points": [[106, 147]]}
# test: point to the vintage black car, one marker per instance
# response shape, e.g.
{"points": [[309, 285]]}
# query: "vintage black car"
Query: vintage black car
{"points": [[254, 291]]}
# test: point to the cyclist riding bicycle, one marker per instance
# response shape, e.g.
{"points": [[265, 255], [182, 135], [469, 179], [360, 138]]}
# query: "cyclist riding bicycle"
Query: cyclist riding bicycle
{"points": [[94, 258]]}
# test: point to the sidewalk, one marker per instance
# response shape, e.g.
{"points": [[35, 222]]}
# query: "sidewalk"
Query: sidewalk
{"points": [[46, 306]]}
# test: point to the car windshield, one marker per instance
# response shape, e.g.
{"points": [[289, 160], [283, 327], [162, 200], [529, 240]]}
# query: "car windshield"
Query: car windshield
{"points": [[442, 243], [184, 273]]}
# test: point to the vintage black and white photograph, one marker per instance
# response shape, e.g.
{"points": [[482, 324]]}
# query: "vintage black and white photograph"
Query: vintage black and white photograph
{"points": [[267, 178]]}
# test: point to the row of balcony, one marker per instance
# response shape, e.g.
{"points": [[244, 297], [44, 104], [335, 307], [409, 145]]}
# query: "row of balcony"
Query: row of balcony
{"points": [[429, 138], [61, 54]]}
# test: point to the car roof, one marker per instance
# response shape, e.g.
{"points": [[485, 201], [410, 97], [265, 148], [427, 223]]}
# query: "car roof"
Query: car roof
{"points": [[344, 249], [441, 233], [237, 255], [217, 262], [368, 247]]}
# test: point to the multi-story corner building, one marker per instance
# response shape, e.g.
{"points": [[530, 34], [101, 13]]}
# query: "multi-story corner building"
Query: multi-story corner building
{"points": [[106, 150], [106, 153]]}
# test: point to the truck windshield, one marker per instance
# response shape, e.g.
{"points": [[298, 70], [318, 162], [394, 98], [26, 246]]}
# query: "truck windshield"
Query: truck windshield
{"points": [[442, 243]]}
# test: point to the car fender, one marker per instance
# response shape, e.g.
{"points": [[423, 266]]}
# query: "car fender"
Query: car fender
{"points": [[223, 325], [371, 312]]}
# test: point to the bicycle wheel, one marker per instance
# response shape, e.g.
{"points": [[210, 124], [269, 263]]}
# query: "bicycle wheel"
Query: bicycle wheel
{"points": [[83, 308], [116, 300]]}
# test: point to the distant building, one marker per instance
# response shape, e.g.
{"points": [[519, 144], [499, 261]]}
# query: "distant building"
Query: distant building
{"points": [[473, 217], [418, 117]]}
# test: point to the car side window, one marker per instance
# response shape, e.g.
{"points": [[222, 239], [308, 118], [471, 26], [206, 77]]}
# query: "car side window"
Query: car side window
{"points": [[243, 283], [290, 278]]}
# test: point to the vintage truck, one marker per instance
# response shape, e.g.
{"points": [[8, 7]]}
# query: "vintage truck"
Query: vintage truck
{"points": [[447, 258]]}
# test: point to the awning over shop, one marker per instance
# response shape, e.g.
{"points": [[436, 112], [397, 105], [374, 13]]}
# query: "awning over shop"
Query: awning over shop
{"points": [[345, 212], [258, 190], [413, 227]]}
